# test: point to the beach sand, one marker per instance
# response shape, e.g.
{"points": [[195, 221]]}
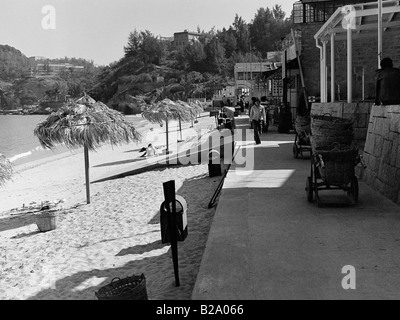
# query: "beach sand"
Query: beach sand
{"points": [[116, 235]]}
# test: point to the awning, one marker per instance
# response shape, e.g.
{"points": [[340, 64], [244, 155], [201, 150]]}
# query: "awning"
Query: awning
{"points": [[364, 20], [270, 73]]}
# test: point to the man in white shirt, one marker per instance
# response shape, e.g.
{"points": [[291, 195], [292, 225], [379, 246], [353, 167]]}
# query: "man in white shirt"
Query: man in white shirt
{"points": [[257, 114]]}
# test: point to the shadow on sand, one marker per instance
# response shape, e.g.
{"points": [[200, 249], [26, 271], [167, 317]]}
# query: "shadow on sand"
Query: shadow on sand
{"points": [[154, 268]]}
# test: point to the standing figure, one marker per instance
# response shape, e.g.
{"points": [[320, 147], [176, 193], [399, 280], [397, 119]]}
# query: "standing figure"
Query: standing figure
{"points": [[387, 84], [256, 116]]}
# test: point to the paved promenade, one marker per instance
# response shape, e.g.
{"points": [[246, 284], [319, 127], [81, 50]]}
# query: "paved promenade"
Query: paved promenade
{"points": [[268, 242]]}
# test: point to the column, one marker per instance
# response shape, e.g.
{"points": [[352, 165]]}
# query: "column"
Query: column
{"points": [[325, 78], [333, 93], [349, 65]]}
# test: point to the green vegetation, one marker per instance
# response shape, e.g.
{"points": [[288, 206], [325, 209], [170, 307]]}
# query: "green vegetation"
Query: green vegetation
{"points": [[200, 68], [150, 65]]}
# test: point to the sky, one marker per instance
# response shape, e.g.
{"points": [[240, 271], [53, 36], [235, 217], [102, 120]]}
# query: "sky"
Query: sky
{"points": [[98, 30]]}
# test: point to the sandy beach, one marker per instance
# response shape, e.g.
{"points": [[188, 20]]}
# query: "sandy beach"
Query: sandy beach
{"points": [[116, 235]]}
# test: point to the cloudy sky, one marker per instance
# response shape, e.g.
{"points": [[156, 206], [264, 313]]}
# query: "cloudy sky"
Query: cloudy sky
{"points": [[98, 29]]}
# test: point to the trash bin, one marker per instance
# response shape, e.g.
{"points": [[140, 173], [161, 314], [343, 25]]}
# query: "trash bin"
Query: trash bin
{"points": [[214, 163], [181, 221]]}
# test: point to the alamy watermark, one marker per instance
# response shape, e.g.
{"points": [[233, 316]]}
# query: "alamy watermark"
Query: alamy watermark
{"points": [[49, 19], [349, 17], [349, 280], [217, 147]]}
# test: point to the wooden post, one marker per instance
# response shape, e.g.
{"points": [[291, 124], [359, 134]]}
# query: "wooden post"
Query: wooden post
{"points": [[380, 35], [333, 93], [170, 206], [86, 155], [166, 131], [349, 65], [180, 129]]}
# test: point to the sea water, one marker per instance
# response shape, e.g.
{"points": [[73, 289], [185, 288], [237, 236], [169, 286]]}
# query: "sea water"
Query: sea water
{"points": [[19, 144]]}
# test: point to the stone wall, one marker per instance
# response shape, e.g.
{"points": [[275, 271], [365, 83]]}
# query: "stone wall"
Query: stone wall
{"points": [[358, 111], [382, 152]]}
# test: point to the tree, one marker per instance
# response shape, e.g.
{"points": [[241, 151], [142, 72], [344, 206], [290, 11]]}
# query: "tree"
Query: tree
{"points": [[133, 47], [242, 34], [228, 40], [195, 56], [144, 47], [216, 61], [267, 28]]}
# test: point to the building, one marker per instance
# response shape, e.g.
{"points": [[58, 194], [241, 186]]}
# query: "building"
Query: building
{"points": [[53, 69], [249, 79], [182, 39], [342, 43]]}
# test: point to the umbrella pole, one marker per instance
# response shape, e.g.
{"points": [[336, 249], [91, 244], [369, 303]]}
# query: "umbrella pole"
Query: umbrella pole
{"points": [[166, 131], [86, 153], [180, 129]]}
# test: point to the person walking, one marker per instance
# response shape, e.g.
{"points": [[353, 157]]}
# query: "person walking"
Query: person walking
{"points": [[387, 84], [256, 116]]}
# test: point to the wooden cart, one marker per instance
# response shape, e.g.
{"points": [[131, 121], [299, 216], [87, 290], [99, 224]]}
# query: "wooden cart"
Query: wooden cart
{"points": [[332, 170]]}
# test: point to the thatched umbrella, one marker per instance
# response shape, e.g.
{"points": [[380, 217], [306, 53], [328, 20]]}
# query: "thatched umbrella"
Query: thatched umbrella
{"points": [[166, 110], [6, 169], [86, 99], [86, 125]]}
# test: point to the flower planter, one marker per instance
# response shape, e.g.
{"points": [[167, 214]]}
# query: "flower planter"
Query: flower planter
{"points": [[46, 220]]}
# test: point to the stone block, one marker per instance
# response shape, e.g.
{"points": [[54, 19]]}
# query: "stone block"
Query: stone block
{"points": [[378, 111], [316, 108], [394, 125], [373, 164], [363, 120], [364, 107], [379, 186], [393, 109], [378, 146], [390, 192], [369, 143], [350, 108], [387, 151]]}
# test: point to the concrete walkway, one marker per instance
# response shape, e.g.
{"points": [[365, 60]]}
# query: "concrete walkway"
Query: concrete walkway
{"points": [[268, 242]]}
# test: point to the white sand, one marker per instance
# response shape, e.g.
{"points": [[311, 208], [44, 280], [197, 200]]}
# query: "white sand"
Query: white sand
{"points": [[117, 235]]}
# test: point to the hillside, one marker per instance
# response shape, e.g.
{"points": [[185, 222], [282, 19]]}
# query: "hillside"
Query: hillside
{"points": [[23, 84], [13, 63]]}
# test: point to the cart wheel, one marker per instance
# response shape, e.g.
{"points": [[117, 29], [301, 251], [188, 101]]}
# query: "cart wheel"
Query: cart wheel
{"points": [[295, 151], [354, 189], [309, 189]]}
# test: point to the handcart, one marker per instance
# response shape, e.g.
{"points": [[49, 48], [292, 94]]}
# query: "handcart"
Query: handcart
{"points": [[301, 144], [302, 141], [333, 169]]}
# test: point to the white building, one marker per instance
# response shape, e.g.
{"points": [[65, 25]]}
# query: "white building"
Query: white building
{"points": [[248, 78]]}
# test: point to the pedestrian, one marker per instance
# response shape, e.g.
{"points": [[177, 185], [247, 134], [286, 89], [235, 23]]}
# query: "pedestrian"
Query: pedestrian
{"points": [[241, 104], [256, 116], [387, 84]]}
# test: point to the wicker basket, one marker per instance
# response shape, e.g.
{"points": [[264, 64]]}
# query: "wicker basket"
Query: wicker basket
{"points": [[130, 288], [327, 121], [321, 142], [337, 173], [46, 220], [336, 166], [302, 124]]}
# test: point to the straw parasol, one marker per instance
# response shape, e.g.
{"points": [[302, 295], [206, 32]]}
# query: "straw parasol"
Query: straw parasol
{"points": [[87, 125], [166, 110], [6, 169]]}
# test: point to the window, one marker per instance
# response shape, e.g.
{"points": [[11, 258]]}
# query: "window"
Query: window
{"points": [[318, 11]]}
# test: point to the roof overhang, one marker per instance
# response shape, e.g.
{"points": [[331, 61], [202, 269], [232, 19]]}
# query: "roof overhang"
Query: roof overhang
{"points": [[363, 20]]}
